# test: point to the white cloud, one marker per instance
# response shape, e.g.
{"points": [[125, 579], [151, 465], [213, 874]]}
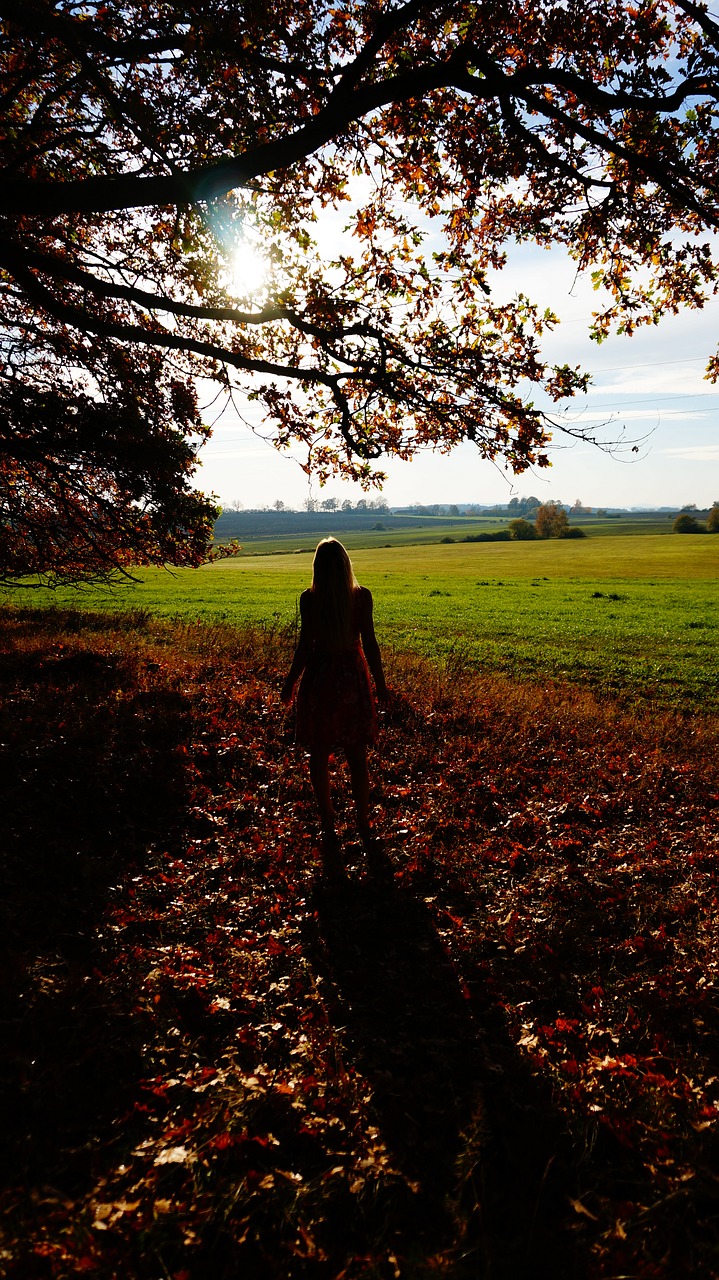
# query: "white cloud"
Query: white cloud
{"points": [[695, 453]]}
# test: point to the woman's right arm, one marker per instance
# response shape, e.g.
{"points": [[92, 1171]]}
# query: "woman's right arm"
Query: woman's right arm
{"points": [[299, 661]]}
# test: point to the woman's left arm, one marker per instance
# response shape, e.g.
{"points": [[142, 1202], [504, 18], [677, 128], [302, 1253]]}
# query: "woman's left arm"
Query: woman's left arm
{"points": [[370, 646]]}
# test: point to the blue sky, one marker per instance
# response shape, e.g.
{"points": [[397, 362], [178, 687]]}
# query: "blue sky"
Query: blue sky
{"points": [[652, 383]]}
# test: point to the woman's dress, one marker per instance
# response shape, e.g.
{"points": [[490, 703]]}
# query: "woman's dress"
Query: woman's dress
{"points": [[335, 705]]}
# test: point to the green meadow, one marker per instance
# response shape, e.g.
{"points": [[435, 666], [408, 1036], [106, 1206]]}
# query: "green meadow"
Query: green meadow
{"points": [[629, 615]]}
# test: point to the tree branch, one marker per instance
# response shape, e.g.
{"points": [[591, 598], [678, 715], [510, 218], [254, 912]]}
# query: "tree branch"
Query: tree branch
{"points": [[83, 320], [133, 190]]}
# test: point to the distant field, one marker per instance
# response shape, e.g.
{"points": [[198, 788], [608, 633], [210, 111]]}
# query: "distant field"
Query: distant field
{"points": [[635, 616], [272, 532]]}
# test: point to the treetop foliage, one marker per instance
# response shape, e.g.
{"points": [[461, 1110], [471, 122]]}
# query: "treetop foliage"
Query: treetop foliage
{"points": [[551, 520], [143, 147]]}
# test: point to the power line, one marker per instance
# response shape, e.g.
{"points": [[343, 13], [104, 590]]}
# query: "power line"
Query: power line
{"points": [[653, 364], [698, 395]]}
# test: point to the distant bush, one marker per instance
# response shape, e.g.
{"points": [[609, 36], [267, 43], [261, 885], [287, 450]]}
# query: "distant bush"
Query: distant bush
{"points": [[448, 539], [713, 521], [573, 533], [501, 535], [521, 530], [685, 523]]}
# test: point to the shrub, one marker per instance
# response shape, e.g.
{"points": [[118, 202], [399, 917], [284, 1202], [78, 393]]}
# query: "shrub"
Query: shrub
{"points": [[521, 530], [575, 532], [501, 535], [685, 523], [713, 521]]}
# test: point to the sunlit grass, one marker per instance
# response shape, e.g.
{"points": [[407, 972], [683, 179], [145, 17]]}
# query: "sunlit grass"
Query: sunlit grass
{"points": [[632, 615]]}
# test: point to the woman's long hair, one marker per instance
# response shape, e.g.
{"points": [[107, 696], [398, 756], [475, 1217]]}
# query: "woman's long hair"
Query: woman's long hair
{"points": [[333, 588]]}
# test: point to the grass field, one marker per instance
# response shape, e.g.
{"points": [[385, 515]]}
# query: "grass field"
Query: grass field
{"points": [[628, 615]]}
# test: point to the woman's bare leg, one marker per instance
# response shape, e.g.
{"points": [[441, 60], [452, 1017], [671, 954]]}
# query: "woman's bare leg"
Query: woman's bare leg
{"points": [[359, 778], [320, 779]]}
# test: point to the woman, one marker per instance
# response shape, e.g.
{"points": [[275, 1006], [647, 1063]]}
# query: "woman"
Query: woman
{"points": [[335, 707]]}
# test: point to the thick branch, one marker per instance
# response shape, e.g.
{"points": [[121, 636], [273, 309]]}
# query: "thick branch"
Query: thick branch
{"points": [[37, 16]]}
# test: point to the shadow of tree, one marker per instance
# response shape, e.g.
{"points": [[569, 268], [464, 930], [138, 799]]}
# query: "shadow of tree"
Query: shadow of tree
{"points": [[463, 1118], [92, 775]]}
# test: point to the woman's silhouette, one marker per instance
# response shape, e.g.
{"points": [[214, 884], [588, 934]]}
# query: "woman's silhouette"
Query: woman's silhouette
{"points": [[335, 706]]}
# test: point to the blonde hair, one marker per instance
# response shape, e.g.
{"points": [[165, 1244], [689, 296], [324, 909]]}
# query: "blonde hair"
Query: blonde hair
{"points": [[333, 588]]}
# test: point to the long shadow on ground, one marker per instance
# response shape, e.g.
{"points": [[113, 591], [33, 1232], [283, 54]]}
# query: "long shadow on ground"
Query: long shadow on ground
{"points": [[91, 776], [463, 1118]]}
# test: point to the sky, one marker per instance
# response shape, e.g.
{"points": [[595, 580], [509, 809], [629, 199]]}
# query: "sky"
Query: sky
{"points": [[652, 384]]}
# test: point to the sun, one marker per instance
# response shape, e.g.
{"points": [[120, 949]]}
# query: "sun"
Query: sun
{"points": [[247, 271]]}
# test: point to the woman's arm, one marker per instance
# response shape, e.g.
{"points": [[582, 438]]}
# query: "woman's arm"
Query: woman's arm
{"points": [[370, 646], [299, 661]]}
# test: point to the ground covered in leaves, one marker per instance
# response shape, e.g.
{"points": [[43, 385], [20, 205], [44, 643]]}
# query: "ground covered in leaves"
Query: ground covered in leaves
{"points": [[495, 1054]]}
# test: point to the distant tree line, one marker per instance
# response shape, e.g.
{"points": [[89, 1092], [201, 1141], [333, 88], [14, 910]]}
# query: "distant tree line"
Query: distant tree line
{"points": [[531, 518], [523, 507], [362, 507]]}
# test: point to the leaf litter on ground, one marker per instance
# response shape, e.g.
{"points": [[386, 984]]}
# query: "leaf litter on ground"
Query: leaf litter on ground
{"points": [[495, 1050]]}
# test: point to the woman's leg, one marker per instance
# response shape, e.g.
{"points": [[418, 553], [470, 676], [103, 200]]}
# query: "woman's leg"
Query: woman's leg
{"points": [[359, 777], [320, 779]]}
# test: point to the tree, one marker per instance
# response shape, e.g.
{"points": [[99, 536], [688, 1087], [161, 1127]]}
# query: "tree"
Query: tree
{"points": [[278, 505], [530, 504], [89, 488], [329, 504], [147, 146], [713, 519], [551, 520]]}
